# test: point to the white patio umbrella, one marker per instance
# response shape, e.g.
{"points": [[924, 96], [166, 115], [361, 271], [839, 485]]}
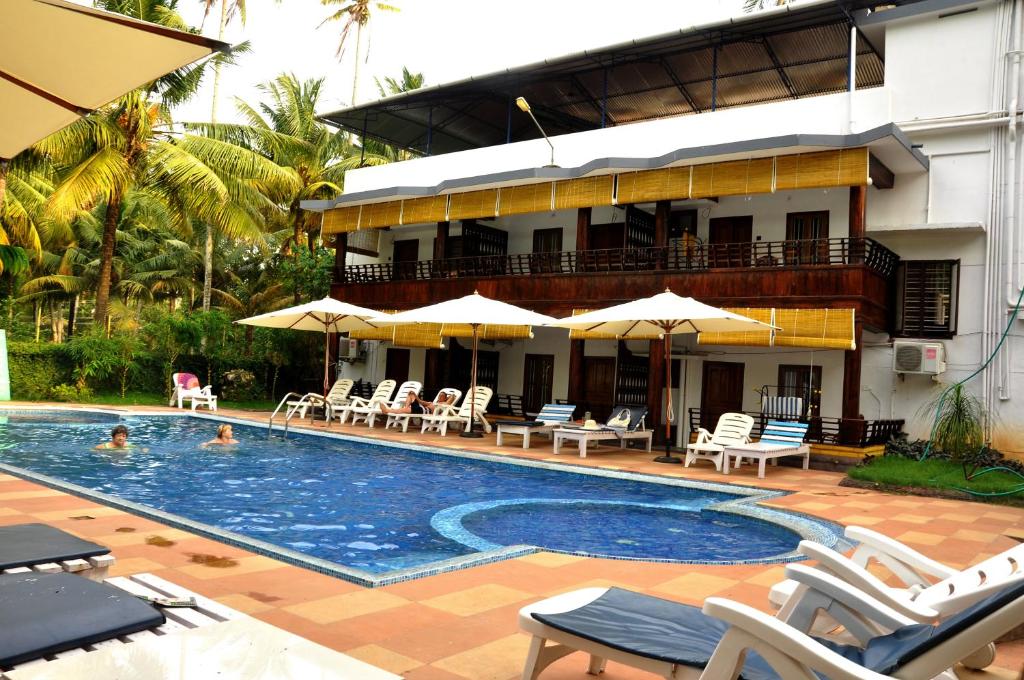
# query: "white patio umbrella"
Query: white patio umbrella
{"points": [[474, 310], [666, 314], [60, 60], [324, 316]]}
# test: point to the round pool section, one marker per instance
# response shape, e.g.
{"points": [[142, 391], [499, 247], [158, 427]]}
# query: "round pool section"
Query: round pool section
{"points": [[378, 512]]}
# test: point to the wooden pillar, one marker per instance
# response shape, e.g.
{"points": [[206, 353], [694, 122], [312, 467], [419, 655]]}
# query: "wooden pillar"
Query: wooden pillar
{"points": [[655, 389], [583, 216], [575, 392], [340, 252], [441, 241], [850, 431], [662, 211], [858, 221]]}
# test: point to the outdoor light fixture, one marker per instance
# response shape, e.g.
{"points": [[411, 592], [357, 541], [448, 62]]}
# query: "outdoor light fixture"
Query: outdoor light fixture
{"points": [[524, 106]]}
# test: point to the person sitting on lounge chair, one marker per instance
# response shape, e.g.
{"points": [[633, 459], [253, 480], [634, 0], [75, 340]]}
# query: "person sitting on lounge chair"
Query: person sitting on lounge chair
{"points": [[443, 399], [410, 399]]}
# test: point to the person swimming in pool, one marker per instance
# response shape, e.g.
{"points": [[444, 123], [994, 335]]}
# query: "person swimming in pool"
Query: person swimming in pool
{"points": [[223, 438], [118, 439]]}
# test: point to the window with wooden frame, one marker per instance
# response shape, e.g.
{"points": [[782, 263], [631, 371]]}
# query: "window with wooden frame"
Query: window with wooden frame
{"points": [[810, 231], [547, 251], [796, 380], [926, 298]]}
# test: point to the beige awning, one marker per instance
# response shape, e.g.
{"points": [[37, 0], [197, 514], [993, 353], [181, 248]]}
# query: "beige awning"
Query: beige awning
{"points": [[60, 60], [433, 334]]}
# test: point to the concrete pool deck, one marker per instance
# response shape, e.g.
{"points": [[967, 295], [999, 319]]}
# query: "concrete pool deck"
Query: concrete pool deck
{"points": [[462, 625]]}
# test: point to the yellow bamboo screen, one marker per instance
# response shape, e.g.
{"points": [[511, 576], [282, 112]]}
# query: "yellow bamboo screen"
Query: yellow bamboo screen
{"points": [[732, 178], [473, 204], [378, 215], [487, 331], [653, 185], [584, 192], [340, 220], [824, 328], [429, 209], [381, 333], [528, 198], [823, 169], [743, 338], [418, 335]]}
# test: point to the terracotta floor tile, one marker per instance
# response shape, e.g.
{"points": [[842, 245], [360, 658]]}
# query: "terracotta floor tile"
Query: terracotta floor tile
{"points": [[769, 577], [498, 660], [921, 538], [479, 599], [244, 603], [347, 606], [31, 493], [244, 565], [384, 658], [694, 587], [971, 535], [135, 565]]}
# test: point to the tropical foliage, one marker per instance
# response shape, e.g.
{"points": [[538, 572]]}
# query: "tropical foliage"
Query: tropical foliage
{"points": [[104, 226]]}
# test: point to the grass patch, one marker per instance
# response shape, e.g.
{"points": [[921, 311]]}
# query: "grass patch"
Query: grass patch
{"points": [[934, 474], [153, 399]]}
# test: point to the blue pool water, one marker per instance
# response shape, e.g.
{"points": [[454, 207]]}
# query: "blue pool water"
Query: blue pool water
{"points": [[379, 508]]}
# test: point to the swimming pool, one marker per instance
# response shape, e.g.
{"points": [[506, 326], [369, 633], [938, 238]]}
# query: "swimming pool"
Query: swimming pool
{"points": [[376, 513]]}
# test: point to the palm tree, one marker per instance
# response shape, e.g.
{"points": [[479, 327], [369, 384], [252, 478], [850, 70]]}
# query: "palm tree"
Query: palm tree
{"points": [[286, 131], [354, 13], [126, 146], [407, 83]]}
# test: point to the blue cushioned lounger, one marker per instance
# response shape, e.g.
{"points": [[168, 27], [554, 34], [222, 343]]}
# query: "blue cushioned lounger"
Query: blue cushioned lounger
{"points": [[43, 614], [22, 545], [680, 634]]}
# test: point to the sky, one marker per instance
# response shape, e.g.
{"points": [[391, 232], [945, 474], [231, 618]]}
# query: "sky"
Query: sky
{"points": [[445, 40]]}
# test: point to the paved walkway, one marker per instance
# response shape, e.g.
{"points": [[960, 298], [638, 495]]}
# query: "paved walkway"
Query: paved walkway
{"points": [[462, 625]]}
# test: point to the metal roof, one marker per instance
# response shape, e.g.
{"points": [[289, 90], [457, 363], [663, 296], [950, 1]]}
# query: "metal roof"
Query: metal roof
{"points": [[786, 53]]}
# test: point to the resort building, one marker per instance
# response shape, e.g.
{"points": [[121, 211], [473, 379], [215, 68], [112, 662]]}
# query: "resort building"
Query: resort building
{"points": [[849, 171]]}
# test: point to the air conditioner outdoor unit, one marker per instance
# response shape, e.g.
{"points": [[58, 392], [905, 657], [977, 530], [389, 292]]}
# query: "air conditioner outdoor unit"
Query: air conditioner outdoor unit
{"points": [[351, 351], [928, 358]]}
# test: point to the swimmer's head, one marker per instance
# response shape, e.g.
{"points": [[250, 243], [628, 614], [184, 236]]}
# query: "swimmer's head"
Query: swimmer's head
{"points": [[119, 435]]}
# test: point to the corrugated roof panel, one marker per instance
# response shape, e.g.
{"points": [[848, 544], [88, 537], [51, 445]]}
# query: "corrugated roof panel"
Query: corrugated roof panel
{"points": [[634, 107], [819, 42], [818, 77], [750, 89]]}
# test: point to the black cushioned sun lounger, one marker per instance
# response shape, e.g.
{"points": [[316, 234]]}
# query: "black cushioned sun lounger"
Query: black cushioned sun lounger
{"points": [[43, 614], [22, 545], [681, 634]]}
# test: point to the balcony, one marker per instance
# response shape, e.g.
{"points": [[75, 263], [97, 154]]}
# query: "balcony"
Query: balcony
{"points": [[823, 272]]}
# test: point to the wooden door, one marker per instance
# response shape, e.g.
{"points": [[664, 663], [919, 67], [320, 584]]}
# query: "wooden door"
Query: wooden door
{"points": [[547, 251], [598, 387], [808, 236], [804, 382], [537, 381], [397, 366], [407, 252], [729, 241], [721, 391]]}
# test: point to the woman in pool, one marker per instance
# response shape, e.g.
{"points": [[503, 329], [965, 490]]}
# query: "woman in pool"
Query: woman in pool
{"points": [[223, 437], [118, 439]]}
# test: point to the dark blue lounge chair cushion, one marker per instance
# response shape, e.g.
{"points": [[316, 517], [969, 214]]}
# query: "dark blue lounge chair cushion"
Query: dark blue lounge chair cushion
{"points": [[652, 627], [22, 545], [520, 423], [43, 614]]}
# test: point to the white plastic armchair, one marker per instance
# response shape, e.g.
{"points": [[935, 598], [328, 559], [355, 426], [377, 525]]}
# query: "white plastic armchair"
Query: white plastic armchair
{"points": [[381, 395], [199, 396], [403, 419], [475, 404], [732, 429], [371, 413]]}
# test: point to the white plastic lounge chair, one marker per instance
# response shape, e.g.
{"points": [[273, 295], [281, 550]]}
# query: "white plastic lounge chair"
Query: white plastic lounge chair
{"points": [[199, 396], [336, 398], [625, 423], [923, 599], [370, 414], [725, 639], [733, 429], [381, 395], [402, 419], [47, 550], [779, 439], [476, 402], [207, 640], [550, 416]]}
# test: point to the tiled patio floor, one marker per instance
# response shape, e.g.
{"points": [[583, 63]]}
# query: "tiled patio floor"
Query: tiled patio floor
{"points": [[463, 624]]}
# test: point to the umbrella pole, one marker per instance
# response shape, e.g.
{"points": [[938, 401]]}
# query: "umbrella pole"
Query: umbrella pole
{"points": [[327, 360], [668, 457], [468, 431]]}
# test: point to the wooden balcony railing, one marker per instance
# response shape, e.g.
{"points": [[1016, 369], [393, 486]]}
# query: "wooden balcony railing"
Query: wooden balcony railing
{"points": [[695, 257], [842, 431]]}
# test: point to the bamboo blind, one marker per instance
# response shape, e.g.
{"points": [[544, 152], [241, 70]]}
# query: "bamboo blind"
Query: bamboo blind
{"points": [[487, 331], [584, 192], [418, 335], [527, 198], [845, 167], [429, 209], [743, 338], [472, 204], [822, 169], [340, 220], [653, 185], [379, 333], [825, 328]]}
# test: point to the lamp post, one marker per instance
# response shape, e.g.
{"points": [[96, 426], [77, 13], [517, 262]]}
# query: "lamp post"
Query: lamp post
{"points": [[524, 106]]}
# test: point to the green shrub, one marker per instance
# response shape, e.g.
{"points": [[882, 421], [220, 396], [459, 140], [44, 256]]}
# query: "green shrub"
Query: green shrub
{"points": [[73, 393], [35, 369]]}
